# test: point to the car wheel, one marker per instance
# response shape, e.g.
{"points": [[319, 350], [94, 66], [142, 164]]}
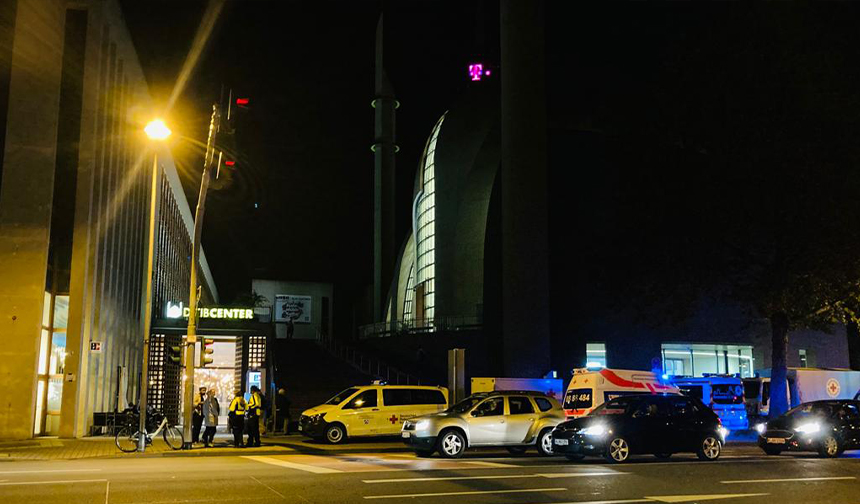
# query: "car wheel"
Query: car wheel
{"points": [[772, 451], [516, 450], [544, 443], [709, 448], [424, 453], [335, 434], [574, 457], [829, 446], [618, 450], [663, 456], [452, 444]]}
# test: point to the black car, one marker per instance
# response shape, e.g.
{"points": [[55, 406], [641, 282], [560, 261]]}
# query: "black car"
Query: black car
{"points": [[827, 427], [658, 424]]}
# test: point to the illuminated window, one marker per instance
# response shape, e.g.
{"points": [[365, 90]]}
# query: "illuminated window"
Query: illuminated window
{"points": [[410, 294], [595, 354], [804, 361], [426, 226], [697, 360]]}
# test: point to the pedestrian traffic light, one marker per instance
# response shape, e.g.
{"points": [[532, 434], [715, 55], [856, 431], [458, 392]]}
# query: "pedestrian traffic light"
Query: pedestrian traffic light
{"points": [[174, 353], [206, 349]]}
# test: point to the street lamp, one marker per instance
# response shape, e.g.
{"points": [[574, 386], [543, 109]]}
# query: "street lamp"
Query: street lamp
{"points": [[158, 131]]}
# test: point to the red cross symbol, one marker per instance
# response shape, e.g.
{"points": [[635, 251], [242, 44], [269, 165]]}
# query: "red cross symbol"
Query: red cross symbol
{"points": [[393, 419], [834, 388]]}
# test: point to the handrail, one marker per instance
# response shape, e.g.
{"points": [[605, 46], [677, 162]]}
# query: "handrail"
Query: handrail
{"points": [[420, 326], [368, 365]]}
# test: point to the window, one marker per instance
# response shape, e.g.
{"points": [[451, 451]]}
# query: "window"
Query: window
{"points": [[751, 388], [699, 359], [343, 396], [804, 362], [366, 399], [490, 407], [425, 227], [724, 393], [614, 407], [403, 397], [650, 409], [595, 355], [520, 405], [578, 399], [543, 404], [409, 295], [692, 391], [684, 407]]}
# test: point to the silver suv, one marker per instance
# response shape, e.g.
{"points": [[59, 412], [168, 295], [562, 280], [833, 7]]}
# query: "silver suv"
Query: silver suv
{"points": [[515, 420]]}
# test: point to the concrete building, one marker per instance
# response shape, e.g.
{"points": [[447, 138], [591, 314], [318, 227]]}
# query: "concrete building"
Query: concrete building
{"points": [[75, 172]]}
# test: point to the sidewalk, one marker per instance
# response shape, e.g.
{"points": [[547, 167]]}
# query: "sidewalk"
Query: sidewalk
{"points": [[105, 447]]}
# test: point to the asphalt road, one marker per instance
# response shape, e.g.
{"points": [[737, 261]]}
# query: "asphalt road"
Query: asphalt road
{"points": [[742, 475]]}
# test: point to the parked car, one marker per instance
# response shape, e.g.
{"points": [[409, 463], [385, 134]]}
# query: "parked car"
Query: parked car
{"points": [[723, 393], [827, 427], [661, 425], [513, 419], [371, 410], [589, 388]]}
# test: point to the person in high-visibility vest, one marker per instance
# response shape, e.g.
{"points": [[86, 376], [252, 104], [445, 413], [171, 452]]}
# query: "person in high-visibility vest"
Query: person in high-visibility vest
{"points": [[255, 405], [236, 416]]}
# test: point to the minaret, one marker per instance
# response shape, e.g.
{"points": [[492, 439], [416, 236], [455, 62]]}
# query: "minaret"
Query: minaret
{"points": [[383, 190]]}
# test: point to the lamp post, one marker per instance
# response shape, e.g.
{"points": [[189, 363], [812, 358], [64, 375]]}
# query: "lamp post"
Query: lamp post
{"points": [[158, 131], [208, 161]]}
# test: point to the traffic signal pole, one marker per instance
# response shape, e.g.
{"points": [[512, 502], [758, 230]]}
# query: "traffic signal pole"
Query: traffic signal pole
{"points": [[191, 339]]}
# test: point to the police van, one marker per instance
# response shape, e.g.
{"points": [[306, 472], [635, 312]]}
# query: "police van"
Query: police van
{"points": [[589, 388], [371, 410], [723, 393]]}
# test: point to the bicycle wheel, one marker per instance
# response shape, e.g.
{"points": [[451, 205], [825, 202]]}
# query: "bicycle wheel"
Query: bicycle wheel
{"points": [[126, 439], [173, 437]]}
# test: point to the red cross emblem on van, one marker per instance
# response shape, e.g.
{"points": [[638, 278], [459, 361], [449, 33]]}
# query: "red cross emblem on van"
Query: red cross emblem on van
{"points": [[393, 419]]}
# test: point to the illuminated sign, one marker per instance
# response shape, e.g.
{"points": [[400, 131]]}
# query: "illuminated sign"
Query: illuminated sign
{"points": [[175, 311], [476, 71]]}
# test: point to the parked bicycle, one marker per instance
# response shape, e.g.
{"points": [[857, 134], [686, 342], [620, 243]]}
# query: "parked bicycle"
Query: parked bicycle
{"points": [[128, 437]]}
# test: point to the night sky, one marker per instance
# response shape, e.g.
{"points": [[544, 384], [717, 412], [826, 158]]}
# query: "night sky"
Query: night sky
{"points": [[681, 135]]}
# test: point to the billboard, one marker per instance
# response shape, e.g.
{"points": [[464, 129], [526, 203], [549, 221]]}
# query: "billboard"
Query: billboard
{"points": [[291, 307]]}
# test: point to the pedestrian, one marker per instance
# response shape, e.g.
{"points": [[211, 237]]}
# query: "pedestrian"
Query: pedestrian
{"points": [[290, 328], [211, 410], [252, 416], [197, 418], [282, 410], [236, 417]]}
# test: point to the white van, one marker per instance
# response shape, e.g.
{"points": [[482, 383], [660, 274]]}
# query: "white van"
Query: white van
{"points": [[589, 388], [723, 393]]}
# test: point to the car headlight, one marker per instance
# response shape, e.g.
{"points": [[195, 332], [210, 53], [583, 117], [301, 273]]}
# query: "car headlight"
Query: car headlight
{"points": [[724, 433], [318, 417], [594, 430], [422, 425], [761, 428], [808, 428]]}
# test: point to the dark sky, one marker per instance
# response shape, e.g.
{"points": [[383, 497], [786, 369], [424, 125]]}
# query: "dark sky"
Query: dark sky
{"points": [[303, 148]]}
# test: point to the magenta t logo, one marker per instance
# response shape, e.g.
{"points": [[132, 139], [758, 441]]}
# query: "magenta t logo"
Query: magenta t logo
{"points": [[476, 71]]}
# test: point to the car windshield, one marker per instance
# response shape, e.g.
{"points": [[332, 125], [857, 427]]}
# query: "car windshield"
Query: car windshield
{"points": [[727, 393], [613, 407], [465, 405], [343, 396], [810, 410]]}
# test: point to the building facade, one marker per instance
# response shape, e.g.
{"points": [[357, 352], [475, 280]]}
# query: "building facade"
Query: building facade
{"points": [[75, 178]]}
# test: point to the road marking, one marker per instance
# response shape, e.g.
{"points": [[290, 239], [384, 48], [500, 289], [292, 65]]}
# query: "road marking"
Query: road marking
{"points": [[279, 494], [504, 476], [50, 471], [107, 491], [781, 480], [292, 465], [488, 464], [474, 492], [668, 498], [54, 482]]}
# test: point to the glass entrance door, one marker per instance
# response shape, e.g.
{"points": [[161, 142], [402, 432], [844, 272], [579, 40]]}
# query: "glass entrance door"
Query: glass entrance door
{"points": [[220, 374]]}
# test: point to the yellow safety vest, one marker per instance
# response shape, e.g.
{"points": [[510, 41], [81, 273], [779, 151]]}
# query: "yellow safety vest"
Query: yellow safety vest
{"points": [[237, 406], [254, 404]]}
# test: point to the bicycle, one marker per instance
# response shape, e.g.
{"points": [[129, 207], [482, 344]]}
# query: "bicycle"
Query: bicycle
{"points": [[128, 437]]}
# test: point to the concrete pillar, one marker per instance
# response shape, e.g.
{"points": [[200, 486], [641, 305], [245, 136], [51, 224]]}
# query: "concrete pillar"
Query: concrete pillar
{"points": [[525, 279]]}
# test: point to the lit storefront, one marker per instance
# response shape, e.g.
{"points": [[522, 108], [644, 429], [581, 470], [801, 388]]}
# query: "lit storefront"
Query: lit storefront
{"points": [[699, 359]]}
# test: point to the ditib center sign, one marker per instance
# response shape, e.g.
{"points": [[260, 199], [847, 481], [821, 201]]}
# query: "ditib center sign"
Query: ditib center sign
{"points": [[175, 311]]}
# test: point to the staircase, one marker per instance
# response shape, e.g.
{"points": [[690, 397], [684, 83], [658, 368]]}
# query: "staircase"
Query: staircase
{"points": [[365, 363]]}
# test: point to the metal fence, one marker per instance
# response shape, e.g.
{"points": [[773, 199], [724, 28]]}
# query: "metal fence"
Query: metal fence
{"points": [[420, 326]]}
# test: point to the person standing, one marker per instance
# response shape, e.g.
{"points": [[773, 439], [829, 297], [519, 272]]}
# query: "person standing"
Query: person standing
{"points": [[237, 418], [211, 410], [255, 405], [197, 418], [282, 410]]}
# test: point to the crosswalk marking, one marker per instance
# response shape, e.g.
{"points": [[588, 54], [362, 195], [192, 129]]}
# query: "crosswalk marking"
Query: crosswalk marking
{"points": [[503, 476], [472, 492], [292, 465], [782, 480]]}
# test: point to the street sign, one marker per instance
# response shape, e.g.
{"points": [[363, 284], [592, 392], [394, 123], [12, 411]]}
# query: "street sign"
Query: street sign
{"points": [[95, 347]]}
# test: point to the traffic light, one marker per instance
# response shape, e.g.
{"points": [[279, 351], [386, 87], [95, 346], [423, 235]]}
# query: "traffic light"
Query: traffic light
{"points": [[206, 349], [174, 353]]}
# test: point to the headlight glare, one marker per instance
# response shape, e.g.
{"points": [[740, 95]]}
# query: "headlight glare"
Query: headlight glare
{"points": [[422, 425], [594, 430], [761, 428], [809, 428]]}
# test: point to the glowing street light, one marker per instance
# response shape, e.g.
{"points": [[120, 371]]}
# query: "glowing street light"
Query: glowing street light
{"points": [[157, 130]]}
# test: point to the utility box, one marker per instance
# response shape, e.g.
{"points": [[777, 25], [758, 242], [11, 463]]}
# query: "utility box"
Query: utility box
{"points": [[553, 387]]}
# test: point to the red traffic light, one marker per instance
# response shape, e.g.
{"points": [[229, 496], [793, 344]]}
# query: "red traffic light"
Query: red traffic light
{"points": [[242, 101], [229, 163]]}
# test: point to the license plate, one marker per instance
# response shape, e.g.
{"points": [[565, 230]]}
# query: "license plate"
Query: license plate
{"points": [[776, 440], [404, 434], [560, 442]]}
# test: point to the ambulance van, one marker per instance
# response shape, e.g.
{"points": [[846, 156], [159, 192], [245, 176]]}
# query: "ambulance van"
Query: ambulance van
{"points": [[371, 410], [589, 388], [723, 393]]}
